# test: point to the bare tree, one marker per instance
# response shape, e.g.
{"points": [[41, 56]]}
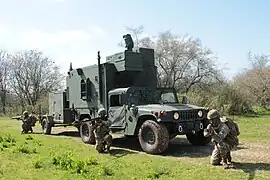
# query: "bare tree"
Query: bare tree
{"points": [[3, 79], [33, 76], [182, 62]]}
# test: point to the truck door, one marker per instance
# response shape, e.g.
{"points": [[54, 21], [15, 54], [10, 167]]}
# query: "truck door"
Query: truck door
{"points": [[117, 111]]}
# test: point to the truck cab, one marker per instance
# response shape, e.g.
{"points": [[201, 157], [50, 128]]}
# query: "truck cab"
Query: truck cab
{"points": [[129, 108]]}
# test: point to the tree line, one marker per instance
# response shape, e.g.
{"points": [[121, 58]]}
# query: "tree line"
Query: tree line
{"points": [[26, 78], [183, 63]]}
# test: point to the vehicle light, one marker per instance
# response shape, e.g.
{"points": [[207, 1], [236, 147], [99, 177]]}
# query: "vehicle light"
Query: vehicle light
{"points": [[176, 115], [200, 113], [163, 113]]}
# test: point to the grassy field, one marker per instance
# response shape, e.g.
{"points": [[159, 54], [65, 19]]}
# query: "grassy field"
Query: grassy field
{"points": [[62, 155]]}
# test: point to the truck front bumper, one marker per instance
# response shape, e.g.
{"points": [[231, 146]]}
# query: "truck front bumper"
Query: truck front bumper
{"points": [[189, 127]]}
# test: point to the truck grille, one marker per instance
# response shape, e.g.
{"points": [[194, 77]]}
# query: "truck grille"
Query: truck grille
{"points": [[189, 115]]}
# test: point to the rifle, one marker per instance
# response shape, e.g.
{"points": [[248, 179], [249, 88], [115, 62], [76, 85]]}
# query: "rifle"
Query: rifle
{"points": [[92, 119], [17, 117]]}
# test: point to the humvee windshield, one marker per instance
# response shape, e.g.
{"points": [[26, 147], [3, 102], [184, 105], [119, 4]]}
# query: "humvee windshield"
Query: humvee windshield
{"points": [[168, 97], [143, 96]]}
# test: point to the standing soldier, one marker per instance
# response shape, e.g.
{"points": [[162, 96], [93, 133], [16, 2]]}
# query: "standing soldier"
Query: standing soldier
{"points": [[224, 134], [29, 121], [101, 130]]}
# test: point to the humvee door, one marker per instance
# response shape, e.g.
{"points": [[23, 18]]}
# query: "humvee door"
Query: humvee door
{"points": [[116, 111]]}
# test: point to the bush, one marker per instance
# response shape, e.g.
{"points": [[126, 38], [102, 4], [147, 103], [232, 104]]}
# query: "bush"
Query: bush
{"points": [[226, 98]]}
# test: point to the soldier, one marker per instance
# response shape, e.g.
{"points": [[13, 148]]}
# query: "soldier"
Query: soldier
{"points": [[29, 121], [223, 132], [101, 130], [129, 42]]}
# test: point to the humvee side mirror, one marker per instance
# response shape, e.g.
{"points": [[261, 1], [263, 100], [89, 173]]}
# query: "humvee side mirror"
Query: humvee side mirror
{"points": [[184, 100]]}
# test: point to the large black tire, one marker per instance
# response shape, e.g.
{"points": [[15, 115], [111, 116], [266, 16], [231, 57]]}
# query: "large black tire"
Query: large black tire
{"points": [[87, 134], [198, 138], [46, 126], [153, 137]]}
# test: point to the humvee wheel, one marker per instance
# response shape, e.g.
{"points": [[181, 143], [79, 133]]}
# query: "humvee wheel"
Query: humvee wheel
{"points": [[46, 126], [86, 133], [153, 137]]}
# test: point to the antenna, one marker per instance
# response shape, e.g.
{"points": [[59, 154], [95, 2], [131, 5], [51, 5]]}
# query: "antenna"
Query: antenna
{"points": [[70, 66]]}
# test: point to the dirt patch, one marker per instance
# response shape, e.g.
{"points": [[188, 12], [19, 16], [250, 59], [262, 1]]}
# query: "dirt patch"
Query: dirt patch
{"points": [[252, 152]]}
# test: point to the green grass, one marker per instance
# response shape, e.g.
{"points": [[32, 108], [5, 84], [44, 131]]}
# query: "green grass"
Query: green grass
{"points": [[38, 156], [254, 128]]}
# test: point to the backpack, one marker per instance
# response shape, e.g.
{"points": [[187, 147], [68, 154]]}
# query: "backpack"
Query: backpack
{"points": [[234, 129]]}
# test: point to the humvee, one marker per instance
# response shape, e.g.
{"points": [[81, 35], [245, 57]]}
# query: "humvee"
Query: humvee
{"points": [[126, 86]]}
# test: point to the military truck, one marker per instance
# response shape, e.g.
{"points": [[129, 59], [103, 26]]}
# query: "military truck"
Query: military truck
{"points": [[126, 86]]}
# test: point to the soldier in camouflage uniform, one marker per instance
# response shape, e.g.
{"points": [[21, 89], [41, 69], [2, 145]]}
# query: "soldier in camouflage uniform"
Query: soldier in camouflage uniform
{"points": [[223, 132], [101, 132], [29, 121]]}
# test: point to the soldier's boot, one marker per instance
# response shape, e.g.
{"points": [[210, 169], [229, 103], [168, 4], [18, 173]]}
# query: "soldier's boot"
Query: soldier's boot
{"points": [[225, 162], [229, 157], [100, 148], [108, 142], [108, 148], [23, 130], [31, 129]]}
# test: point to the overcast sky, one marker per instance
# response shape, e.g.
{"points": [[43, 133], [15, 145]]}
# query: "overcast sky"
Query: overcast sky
{"points": [[74, 30]]}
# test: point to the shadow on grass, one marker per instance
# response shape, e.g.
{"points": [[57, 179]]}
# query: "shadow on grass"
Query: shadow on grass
{"points": [[118, 153], [178, 147], [250, 168], [67, 133]]}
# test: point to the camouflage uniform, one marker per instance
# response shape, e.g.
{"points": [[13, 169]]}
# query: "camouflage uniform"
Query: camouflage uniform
{"points": [[101, 132], [224, 137], [29, 121]]}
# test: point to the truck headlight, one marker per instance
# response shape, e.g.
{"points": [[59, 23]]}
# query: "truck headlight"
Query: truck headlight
{"points": [[176, 115], [200, 113]]}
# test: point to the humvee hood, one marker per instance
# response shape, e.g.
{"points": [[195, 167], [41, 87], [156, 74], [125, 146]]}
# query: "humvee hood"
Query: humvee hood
{"points": [[167, 107]]}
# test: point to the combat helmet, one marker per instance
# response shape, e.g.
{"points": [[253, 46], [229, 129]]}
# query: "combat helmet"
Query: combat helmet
{"points": [[212, 114], [102, 112], [25, 113]]}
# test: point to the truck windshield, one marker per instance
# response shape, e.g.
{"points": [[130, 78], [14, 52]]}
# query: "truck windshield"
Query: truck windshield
{"points": [[168, 97], [142, 96]]}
